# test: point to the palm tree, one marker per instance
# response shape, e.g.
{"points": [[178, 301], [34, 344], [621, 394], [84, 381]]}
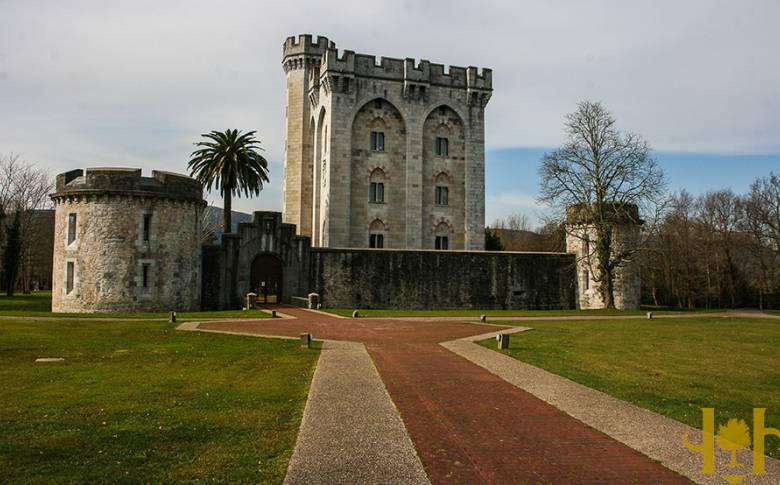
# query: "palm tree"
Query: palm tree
{"points": [[231, 161]]}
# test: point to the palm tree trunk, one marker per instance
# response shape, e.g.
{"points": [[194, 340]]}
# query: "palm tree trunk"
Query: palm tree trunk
{"points": [[227, 212]]}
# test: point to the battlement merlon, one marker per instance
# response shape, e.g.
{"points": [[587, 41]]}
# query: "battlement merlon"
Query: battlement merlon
{"points": [[128, 181], [364, 65], [305, 44]]}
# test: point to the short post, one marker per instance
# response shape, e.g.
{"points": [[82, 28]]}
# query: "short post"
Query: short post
{"points": [[503, 341], [172, 317], [251, 300], [483, 318], [649, 315], [273, 313], [306, 340], [355, 314]]}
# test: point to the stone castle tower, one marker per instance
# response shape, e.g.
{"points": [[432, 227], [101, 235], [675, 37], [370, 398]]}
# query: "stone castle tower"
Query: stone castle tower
{"points": [[580, 240], [123, 242], [387, 154]]}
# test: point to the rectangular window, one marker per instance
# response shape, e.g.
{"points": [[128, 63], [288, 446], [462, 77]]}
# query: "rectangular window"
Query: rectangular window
{"points": [[71, 228], [69, 277], [376, 241], [587, 279], [145, 276], [442, 242], [376, 193], [442, 195], [377, 141], [147, 227], [442, 146]]}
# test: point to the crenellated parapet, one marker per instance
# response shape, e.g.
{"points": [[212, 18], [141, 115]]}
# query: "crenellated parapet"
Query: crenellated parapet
{"points": [[304, 52], [415, 75], [127, 182]]}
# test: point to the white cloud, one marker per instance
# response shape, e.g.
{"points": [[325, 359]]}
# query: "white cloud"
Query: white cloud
{"points": [[135, 82]]}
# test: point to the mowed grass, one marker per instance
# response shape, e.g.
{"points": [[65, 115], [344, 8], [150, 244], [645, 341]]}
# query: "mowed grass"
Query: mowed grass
{"points": [[369, 313], [38, 304], [671, 366], [141, 402]]}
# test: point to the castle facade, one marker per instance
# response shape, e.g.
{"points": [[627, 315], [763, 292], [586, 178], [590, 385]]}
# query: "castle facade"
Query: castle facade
{"points": [[387, 154]]}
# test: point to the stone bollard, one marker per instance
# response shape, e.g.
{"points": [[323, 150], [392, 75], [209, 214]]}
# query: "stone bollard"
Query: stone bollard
{"points": [[355, 314], [251, 300], [273, 313], [649, 315], [306, 340], [503, 341], [483, 318], [172, 317]]}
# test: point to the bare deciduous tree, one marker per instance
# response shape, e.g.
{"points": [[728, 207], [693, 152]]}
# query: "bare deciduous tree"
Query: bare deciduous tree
{"points": [[603, 172], [24, 187]]}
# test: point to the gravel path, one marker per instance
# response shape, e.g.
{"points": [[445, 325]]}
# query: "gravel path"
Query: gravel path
{"points": [[351, 431]]}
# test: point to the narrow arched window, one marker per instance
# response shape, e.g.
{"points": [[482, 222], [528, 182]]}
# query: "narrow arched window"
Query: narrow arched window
{"points": [[442, 236], [376, 234], [376, 187], [442, 196]]}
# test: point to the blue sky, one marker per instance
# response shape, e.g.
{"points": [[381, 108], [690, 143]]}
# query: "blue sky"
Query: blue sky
{"points": [[134, 82], [512, 183]]}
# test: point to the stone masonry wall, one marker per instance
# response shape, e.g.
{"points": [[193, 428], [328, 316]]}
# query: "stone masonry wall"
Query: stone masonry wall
{"points": [[109, 253], [326, 89], [408, 279]]}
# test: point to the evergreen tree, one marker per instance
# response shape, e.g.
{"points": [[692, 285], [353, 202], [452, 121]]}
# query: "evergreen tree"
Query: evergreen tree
{"points": [[492, 241]]}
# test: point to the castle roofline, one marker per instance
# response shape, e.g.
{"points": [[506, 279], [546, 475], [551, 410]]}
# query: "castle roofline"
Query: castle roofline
{"points": [[408, 69], [349, 63], [127, 181]]}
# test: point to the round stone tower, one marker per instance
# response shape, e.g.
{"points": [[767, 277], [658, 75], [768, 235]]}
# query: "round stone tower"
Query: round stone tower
{"points": [[581, 240], [123, 242]]}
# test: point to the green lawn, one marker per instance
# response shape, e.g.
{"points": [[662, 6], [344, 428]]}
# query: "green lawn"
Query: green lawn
{"points": [[346, 312], [38, 304], [140, 402], [673, 367]]}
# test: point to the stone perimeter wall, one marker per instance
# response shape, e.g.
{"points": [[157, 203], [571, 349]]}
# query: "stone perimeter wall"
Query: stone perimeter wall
{"points": [[414, 279], [108, 253]]}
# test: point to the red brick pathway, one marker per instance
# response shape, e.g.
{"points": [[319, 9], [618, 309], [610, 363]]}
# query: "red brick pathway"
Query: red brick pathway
{"points": [[468, 425]]}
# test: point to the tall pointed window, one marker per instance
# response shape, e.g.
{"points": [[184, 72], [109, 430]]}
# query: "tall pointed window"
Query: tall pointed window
{"points": [[377, 141], [376, 187], [442, 146], [376, 234], [442, 196], [376, 193], [442, 236], [71, 228]]}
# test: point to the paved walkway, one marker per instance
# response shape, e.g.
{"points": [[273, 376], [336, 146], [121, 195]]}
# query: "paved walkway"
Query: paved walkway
{"points": [[469, 425], [650, 433], [351, 431]]}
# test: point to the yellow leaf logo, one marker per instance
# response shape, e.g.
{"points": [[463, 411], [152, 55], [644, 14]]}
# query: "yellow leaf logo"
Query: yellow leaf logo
{"points": [[732, 437]]}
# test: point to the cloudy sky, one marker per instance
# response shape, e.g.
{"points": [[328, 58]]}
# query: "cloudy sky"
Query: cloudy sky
{"points": [[134, 83]]}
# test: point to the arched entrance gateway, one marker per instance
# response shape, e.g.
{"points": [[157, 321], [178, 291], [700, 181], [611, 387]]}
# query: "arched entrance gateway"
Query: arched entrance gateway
{"points": [[266, 278]]}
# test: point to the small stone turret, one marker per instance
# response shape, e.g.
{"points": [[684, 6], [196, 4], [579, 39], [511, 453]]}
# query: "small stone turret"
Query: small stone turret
{"points": [[581, 240], [124, 242]]}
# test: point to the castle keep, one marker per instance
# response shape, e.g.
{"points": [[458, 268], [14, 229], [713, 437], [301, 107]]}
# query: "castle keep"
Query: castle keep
{"points": [[383, 154]]}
